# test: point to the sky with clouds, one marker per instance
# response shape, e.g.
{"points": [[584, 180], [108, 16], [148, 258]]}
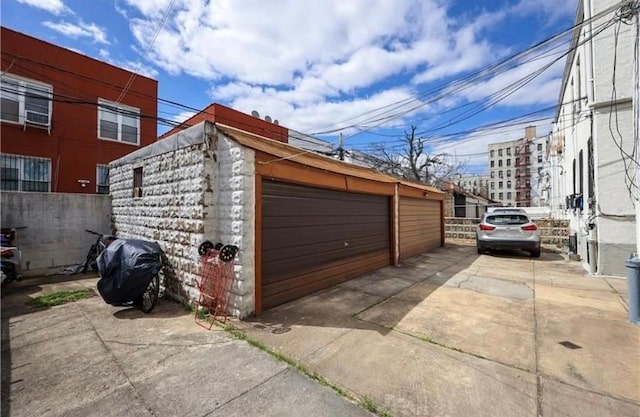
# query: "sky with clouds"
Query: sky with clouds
{"points": [[366, 68]]}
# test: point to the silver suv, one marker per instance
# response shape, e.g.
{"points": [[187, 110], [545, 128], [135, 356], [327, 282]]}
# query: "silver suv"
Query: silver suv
{"points": [[508, 229]]}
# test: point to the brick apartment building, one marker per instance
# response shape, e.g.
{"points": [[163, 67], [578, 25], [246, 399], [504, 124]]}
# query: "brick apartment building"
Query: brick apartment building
{"points": [[515, 168], [64, 116]]}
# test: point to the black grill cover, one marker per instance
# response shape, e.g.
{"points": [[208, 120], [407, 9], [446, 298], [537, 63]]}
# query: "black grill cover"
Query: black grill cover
{"points": [[126, 268]]}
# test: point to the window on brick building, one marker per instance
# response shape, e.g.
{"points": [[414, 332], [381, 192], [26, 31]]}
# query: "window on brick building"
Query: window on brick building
{"points": [[25, 102], [118, 122], [25, 173], [102, 179]]}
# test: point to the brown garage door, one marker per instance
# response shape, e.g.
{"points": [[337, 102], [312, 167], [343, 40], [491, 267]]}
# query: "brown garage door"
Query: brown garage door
{"points": [[314, 238], [419, 226]]}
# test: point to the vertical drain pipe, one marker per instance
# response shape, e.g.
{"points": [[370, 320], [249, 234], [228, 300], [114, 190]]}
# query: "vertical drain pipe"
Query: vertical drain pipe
{"points": [[396, 225]]}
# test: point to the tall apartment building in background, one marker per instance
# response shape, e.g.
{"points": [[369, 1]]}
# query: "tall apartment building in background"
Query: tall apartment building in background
{"points": [[65, 116], [514, 170]]}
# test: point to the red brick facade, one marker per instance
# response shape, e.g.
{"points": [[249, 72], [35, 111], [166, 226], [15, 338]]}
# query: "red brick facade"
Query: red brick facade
{"points": [[77, 83], [227, 116]]}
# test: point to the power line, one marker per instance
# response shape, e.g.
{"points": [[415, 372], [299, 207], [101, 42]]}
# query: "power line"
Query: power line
{"points": [[465, 81], [151, 42]]}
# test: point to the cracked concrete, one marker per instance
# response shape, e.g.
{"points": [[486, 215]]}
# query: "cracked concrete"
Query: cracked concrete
{"points": [[453, 333], [90, 359], [447, 333]]}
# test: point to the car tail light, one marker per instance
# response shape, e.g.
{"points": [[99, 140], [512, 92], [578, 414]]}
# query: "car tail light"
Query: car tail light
{"points": [[530, 228], [486, 227]]}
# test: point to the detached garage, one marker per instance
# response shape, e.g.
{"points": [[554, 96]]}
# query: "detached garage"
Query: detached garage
{"points": [[420, 226], [314, 238], [303, 222]]}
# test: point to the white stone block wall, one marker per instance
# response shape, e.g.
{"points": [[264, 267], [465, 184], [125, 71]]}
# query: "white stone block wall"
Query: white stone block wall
{"points": [[191, 195], [236, 218], [171, 210]]}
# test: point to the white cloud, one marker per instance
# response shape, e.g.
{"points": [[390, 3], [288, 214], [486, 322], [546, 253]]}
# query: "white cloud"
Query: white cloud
{"points": [[311, 58], [134, 66], [56, 7], [79, 30], [310, 64], [541, 90], [182, 116]]}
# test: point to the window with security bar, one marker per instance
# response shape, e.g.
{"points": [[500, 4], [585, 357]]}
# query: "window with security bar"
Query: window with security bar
{"points": [[102, 179], [25, 102], [25, 173]]}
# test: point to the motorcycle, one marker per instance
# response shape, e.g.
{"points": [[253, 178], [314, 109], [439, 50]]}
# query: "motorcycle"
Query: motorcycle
{"points": [[10, 257]]}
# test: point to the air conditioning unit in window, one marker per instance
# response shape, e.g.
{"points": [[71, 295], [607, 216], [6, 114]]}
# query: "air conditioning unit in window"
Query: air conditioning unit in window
{"points": [[137, 192], [37, 119]]}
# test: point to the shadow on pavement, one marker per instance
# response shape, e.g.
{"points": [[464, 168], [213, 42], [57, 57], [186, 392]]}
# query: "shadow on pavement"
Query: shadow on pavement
{"points": [[339, 306], [545, 256]]}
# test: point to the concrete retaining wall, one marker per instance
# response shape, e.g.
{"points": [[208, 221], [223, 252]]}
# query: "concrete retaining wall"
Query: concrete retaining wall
{"points": [[51, 227], [554, 232]]}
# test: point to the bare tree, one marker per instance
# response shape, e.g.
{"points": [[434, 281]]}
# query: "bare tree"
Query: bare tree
{"points": [[412, 162]]}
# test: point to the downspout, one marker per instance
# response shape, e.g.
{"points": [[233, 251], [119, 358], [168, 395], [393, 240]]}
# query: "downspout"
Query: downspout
{"points": [[396, 225], [591, 92]]}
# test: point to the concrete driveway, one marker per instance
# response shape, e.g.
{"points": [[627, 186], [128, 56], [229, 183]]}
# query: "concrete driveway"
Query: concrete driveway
{"points": [[90, 359], [457, 334], [448, 333]]}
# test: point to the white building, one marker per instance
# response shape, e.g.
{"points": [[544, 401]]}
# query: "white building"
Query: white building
{"points": [[477, 184], [593, 132], [538, 161]]}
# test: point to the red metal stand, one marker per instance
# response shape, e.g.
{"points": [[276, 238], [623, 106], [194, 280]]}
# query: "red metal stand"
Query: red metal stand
{"points": [[216, 278]]}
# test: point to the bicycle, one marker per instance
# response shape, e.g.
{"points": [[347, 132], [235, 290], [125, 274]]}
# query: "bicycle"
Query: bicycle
{"points": [[95, 250]]}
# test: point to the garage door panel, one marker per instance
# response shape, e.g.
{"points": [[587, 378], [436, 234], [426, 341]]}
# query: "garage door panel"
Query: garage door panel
{"points": [[286, 268], [320, 249], [420, 226], [295, 206], [313, 238], [276, 222], [282, 291], [287, 237]]}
